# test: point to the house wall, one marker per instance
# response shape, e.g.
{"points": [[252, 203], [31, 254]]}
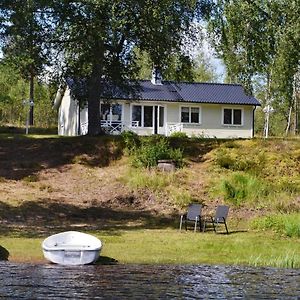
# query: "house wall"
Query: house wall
{"points": [[211, 116], [211, 122], [210, 119], [68, 116]]}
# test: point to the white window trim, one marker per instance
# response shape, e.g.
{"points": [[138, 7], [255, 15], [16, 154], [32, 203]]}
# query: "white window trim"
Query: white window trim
{"points": [[233, 108], [190, 113]]}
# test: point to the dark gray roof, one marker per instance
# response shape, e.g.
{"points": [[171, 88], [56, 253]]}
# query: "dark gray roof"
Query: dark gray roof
{"points": [[195, 92], [215, 93]]}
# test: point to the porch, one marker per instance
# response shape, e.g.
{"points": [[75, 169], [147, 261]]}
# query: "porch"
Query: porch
{"points": [[111, 127], [117, 127]]}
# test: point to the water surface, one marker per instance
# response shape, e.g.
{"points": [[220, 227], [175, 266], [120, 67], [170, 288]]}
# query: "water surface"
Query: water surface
{"points": [[26, 281]]}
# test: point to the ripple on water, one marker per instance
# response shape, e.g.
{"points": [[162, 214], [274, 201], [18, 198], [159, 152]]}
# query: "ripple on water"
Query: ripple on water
{"points": [[25, 281]]}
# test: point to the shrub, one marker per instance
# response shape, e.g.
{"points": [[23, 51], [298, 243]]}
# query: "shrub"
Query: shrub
{"points": [[155, 149], [231, 144], [240, 188], [235, 161], [31, 178], [179, 134], [224, 161], [131, 140]]}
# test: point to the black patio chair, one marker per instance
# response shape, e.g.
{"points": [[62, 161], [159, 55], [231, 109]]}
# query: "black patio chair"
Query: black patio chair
{"points": [[219, 218], [193, 215]]}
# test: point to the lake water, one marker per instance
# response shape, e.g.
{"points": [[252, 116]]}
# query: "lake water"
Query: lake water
{"points": [[25, 281]]}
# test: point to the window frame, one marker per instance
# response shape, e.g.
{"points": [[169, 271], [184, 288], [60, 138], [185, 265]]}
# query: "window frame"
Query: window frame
{"points": [[232, 116], [190, 114]]}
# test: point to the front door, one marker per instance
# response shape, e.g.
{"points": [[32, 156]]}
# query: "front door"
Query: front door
{"points": [[158, 124]]}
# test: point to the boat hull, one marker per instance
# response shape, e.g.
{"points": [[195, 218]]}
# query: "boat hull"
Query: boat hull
{"points": [[72, 248]]}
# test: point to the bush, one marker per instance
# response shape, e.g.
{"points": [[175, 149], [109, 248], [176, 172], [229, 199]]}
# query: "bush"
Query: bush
{"points": [[235, 162], [179, 134], [154, 149], [131, 140], [31, 178], [224, 161], [240, 188]]}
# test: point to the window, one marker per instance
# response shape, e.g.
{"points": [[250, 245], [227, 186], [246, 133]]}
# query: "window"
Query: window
{"points": [[111, 112], [116, 110], [137, 114], [161, 116], [190, 115], [104, 111], [194, 114], [185, 114], [148, 116], [232, 116]]}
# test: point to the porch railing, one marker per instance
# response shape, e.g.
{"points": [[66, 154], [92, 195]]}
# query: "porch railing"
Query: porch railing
{"points": [[174, 127], [110, 127]]}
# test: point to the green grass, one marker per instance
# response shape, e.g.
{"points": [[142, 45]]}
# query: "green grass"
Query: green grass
{"points": [[166, 186], [170, 246], [285, 224]]}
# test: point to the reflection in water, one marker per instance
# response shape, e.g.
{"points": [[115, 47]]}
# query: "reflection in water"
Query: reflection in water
{"points": [[4, 254], [23, 281]]}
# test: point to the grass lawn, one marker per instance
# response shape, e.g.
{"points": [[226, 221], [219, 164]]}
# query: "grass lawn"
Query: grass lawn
{"points": [[49, 185], [169, 246]]}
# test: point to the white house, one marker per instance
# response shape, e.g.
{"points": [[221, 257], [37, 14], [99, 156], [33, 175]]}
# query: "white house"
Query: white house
{"points": [[163, 107]]}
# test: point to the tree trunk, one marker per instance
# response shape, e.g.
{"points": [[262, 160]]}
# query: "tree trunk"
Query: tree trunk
{"points": [[297, 115], [31, 99], [94, 92], [289, 121], [296, 99]]}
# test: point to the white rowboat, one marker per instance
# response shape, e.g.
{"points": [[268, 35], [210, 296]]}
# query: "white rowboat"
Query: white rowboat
{"points": [[72, 248]]}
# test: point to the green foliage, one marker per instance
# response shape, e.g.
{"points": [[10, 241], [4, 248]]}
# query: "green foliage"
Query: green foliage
{"points": [[203, 70], [286, 224], [259, 39], [167, 246], [131, 141], [179, 134], [240, 188], [167, 187], [227, 160], [257, 172], [289, 260], [141, 179], [181, 197], [179, 68], [154, 149], [31, 178], [13, 90]]}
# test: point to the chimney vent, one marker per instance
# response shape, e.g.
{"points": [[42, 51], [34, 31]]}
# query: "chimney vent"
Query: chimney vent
{"points": [[156, 76]]}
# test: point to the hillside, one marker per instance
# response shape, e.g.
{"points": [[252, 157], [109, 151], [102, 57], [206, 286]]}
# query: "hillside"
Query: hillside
{"points": [[89, 182]]}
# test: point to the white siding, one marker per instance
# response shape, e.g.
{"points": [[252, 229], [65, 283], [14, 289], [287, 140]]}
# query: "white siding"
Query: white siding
{"points": [[68, 116], [211, 121], [210, 117]]}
